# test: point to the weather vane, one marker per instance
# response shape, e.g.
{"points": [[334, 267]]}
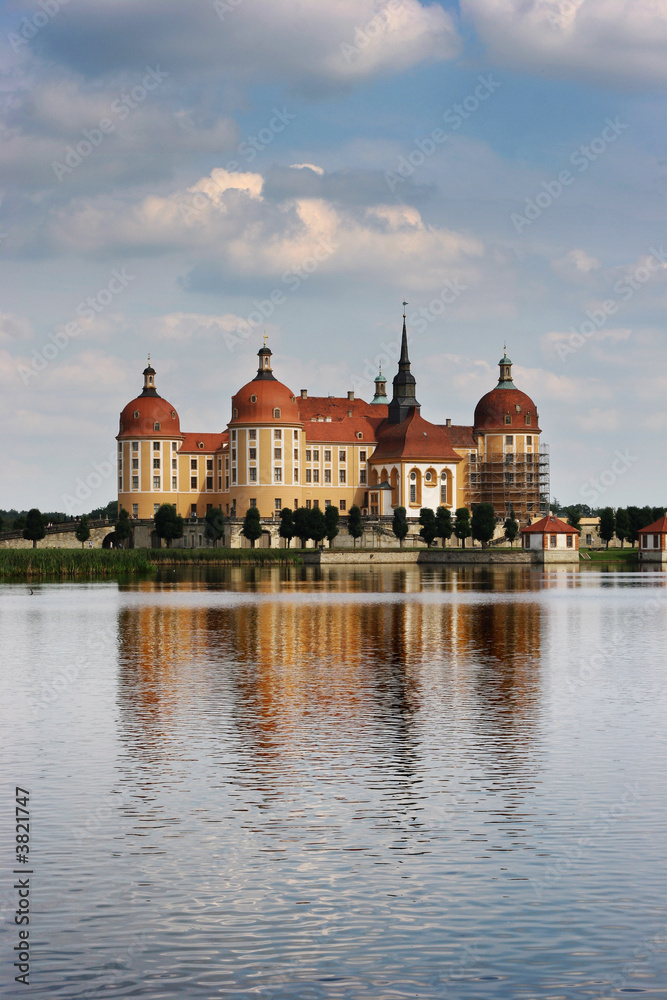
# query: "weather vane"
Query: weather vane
{"points": [[404, 305], [265, 338], [149, 358]]}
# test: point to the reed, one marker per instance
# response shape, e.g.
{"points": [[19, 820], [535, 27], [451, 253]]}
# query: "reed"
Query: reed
{"points": [[26, 564]]}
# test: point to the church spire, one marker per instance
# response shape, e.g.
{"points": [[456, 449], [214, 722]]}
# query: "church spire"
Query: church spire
{"points": [[404, 397]]}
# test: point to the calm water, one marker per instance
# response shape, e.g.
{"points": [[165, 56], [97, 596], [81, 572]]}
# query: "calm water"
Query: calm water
{"points": [[301, 784]]}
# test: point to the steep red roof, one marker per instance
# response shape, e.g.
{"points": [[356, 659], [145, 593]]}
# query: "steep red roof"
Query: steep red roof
{"points": [[337, 408], [257, 400], [460, 435], [149, 410], [413, 438], [656, 528], [551, 525], [211, 442]]}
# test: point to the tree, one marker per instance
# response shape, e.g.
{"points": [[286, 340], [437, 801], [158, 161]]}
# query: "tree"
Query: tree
{"points": [[286, 529], [19, 523], [83, 531], [607, 525], [443, 524], [429, 529], [331, 518], [635, 519], [123, 527], [355, 525], [511, 526], [462, 528], [656, 514], [35, 529], [574, 517], [483, 523], [399, 524], [168, 524], [252, 527], [317, 525], [302, 525], [622, 525], [214, 525]]}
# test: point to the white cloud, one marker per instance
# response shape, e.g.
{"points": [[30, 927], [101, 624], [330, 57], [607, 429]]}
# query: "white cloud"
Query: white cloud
{"points": [[602, 40], [598, 421], [307, 166], [14, 327], [575, 264]]}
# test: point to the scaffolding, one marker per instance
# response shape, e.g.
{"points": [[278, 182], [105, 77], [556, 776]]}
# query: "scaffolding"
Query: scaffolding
{"points": [[517, 481]]}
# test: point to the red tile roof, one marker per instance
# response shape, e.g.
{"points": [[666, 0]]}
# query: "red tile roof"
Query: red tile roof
{"points": [[551, 525], [460, 435], [414, 438], [492, 408], [211, 442], [656, 528]]}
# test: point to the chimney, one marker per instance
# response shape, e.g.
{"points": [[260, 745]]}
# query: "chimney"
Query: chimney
{"points": [[350, 395], [448, 422], [304, 394], [349, 413]]}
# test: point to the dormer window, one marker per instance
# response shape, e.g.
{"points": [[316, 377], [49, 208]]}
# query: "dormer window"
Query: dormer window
{"points": [[156, 427], [136, 414], [253, 399], [508, 418], [235, 414], [528, 420], [276, 410]]}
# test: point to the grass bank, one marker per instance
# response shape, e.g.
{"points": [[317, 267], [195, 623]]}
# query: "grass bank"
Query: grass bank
{"points": [[628, 555], [85, 564]]}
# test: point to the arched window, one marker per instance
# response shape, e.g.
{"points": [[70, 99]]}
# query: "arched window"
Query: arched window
{"points": [[276, 412], [235, 414], [156, 426], [443, 488]]}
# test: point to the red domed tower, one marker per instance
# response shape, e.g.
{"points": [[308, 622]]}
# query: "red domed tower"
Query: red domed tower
{"points": [[511, 468], [149, 438]]}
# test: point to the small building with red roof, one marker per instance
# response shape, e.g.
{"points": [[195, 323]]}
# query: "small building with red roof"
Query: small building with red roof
{"points": [[551, 539], [653, 541]]}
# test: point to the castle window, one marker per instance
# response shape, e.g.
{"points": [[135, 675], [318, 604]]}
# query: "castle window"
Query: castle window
{"points": [[327, 503], [508, 418], [193, 482], [209, 464], [342, 504], [341, 456], [193, 463], [135, 482], [509, 439], [277, 504], [316, 455], [252, 434], [569, 541], [296, 475], [296, 435], [360, 435], [174, 483], [309, 504], [341, 476], [173, 414], [135, 463], [362, 456], [156, 445], [253, 399], [277, 475], [253, 501], [174, 446], [509, 459], [252, 454], [443, 488], [552, 541], [316, 475], [529, 439], [135, 510], [362, 475], [327, 456], [316, 504], [135, 446], [296, 454], [309, 476], [252, 474], [156, 463], [174, 463], [327, 475], [200, 444], [233, 454], [234, 476], [276, 413], [277, 433], [156, 426], [509, 478], [528, 419], [309, 454], [156, 482], [209, 482], [278, 454]]}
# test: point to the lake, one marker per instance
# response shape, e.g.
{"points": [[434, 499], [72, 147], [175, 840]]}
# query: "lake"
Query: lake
{"points": [[299, 783]]}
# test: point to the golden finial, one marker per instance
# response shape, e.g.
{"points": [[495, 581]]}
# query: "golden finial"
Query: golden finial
{"points": [[265, 338], [149, 359]]}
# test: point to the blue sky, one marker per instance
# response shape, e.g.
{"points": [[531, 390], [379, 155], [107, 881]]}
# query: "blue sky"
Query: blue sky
{"points": [[166, 166]]}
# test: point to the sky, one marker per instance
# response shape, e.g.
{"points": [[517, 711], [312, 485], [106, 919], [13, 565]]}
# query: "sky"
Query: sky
{"points": [[180, 177]]}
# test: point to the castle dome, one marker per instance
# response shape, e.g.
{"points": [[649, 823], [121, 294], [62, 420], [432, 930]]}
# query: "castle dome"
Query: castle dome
{"points": [[149, 415], [505, 407], [264, 400]]}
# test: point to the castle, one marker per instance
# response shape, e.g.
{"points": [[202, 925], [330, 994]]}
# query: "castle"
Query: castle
{"points": [[283, 450]]}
